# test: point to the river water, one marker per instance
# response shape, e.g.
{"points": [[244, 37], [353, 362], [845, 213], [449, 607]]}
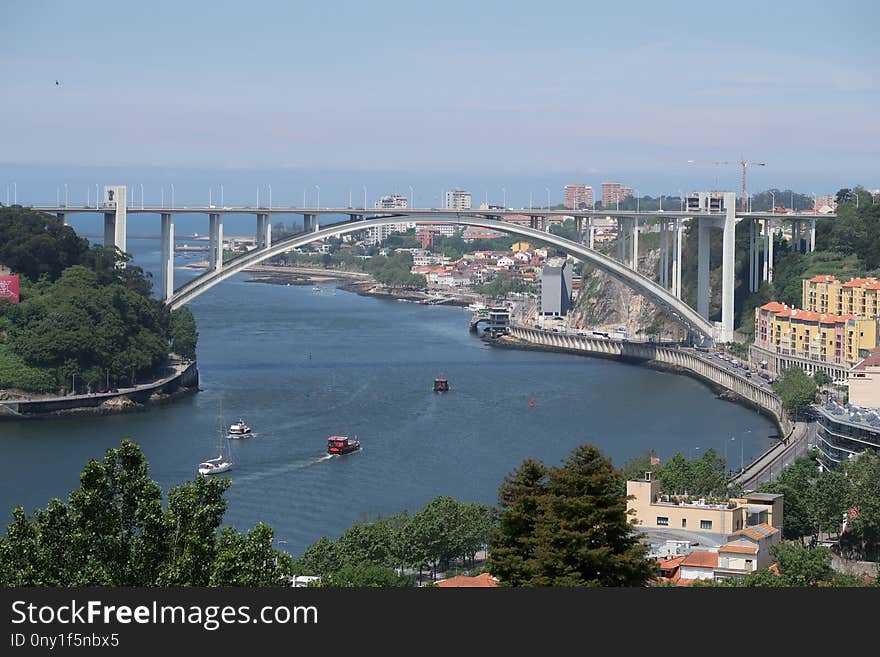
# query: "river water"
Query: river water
{"points": [[300, 365]]}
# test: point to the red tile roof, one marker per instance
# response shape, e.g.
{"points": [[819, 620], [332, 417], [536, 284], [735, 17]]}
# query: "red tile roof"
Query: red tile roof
{"points": [[758, 531], [701, 559], [823, 278], [739, 549], [873, 360], [773, 306], [484, 580]]}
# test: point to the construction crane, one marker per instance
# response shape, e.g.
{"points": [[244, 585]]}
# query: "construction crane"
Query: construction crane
{"points": [[744, 164]]}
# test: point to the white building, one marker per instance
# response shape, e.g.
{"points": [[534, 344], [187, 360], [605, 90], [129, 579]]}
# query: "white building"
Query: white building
{"points": [[458, 199], [391, 202]]}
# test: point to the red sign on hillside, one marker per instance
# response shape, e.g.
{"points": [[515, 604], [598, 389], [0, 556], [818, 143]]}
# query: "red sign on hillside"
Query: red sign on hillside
{"points": [[9, 288]]}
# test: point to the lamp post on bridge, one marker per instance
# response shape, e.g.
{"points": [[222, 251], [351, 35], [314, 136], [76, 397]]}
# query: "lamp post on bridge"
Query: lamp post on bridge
{"points": [[270, 197], [773, 202], [66, 196], [412, 197], [142, 196], [172, 195], [504, 198], [318, 200], [365, 197], [548, 198], [96, 196]]}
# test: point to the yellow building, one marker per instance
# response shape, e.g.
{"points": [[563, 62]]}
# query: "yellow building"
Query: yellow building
{"points": [[647, 509], [520, 246], [858, 296], [821, 337]]}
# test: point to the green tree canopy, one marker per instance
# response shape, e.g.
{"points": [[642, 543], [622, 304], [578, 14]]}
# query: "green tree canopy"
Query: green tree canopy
{"points": [[567, 526], [795, 388]]}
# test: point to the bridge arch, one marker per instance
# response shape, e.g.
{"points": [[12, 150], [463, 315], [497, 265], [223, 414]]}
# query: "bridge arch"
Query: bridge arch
{"points": [[632, 279]]}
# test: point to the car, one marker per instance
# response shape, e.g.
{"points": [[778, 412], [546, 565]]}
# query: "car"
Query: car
{"points": [[748, 374]]}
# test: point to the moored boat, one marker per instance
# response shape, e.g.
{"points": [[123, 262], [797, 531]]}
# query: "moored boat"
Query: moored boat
{"points": [[215, 466], [441, 385], [342, 445]]}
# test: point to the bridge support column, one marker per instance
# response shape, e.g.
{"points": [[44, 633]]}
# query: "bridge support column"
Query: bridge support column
{"points": [[796, 234], [261, 228], [664, 255], [317, 222], [635, 244], [167, 266], [812, 235], [727, 267], [768, 250], [592, 230], [703, 235], [621, 241], [267, 232], [579, 229], [676, 258], [215, 241], [114, 219]]}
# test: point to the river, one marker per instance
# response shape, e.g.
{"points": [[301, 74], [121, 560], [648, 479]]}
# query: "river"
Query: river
{"points": [[300, 365]]}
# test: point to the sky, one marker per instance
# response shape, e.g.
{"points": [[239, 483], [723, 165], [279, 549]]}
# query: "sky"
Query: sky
{"points": [[392, 95]]}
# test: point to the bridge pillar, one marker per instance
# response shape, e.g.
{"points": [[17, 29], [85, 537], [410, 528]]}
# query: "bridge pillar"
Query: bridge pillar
{"points": [[259, 234], [621, 240], [664, 255], [796, 234], [317, 222], [727, 267], [676, 257], [167, 266], [812, 234], [768, 250], [635, 244], [114, 216], [592, 230], [703, 235], [267, 232], [215, 241], [62, 216]]}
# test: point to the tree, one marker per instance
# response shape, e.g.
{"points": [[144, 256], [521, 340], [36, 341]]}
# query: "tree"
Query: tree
{"points": [[795, 388], [676, 475], [795, 483], [512, 548], [635, 468], [567, 526], [797, 564], [862, 536], [184, 335], [318, 559], [113, 531], [366, 575], [820, 378]]}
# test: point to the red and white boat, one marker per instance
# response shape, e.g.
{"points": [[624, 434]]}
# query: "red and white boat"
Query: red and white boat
{"points": [[342, 445]]}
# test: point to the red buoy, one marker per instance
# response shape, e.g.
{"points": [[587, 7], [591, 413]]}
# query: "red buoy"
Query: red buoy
{"points": [[532, 402]]}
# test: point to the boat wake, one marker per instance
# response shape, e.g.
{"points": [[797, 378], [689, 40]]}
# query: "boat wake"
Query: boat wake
{"points": [[282, 469]]}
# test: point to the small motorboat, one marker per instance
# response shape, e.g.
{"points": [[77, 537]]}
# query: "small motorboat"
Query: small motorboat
{"points": [[239, 428], [441, 385], [342, 445], [215, 466]]}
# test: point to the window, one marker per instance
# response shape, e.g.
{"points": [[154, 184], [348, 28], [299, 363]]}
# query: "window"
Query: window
{"points": [[684, 522], [662, 521], [705, 524]]}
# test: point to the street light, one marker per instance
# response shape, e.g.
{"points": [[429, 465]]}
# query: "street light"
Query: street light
{"points": [[172, 195], [14, 193], [319, 197], [681, 198], [142, 196], [696, 449], [504, 198], [73, 384], [221, 196], [270, 197], [637, 200], [65, 195], [365, 197], [773, 200], [412, 198], [548, 197]]}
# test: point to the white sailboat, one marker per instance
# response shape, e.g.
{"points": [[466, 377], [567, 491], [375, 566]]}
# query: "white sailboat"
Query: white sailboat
{"points": [[223, 461]]}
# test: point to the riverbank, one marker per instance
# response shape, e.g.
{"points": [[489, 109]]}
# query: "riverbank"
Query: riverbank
{"points": [[181, 379], [770, 408]]}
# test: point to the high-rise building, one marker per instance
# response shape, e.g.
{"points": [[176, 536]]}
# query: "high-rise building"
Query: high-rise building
{"points": [[556, 288], [578, 197], [824, 201], [458, 199], [858, 296], [612, 192]]}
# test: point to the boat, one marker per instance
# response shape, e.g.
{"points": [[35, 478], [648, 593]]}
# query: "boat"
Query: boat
{"points": [[441, 385], [239, 428], [215, 466], [342, 445], [222, 462], [315, 288]]}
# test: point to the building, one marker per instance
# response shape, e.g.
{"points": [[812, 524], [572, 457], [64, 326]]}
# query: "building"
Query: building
{"points": [[864, 381], [458, 199], [556, 288], [857, 296], [790, 337], [578, 197], [651, 510], [612, 192], [845, 431], [391, 202], [823, 201]]}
